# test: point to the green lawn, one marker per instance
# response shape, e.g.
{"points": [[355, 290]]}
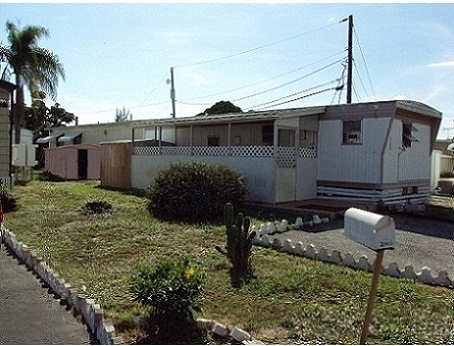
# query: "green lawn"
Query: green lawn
{"points": [[292, 300]]}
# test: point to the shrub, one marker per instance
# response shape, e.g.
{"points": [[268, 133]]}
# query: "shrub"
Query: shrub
{"points": [[171, 292], [194, 192], [9, 202], [97, 207]]}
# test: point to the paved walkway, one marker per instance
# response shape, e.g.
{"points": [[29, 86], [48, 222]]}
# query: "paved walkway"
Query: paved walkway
{"points": [[29, 315], [418, 242]]}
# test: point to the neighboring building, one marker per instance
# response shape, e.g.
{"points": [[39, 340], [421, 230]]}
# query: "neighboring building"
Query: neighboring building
{"points": [[23, 155], [72, 141], [445, 158], [90, 134], [74, 162], [6, 90], [376, 152]]}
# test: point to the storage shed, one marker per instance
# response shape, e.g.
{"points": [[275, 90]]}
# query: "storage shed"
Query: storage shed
{"points": [[116, 164], [74, 162]]}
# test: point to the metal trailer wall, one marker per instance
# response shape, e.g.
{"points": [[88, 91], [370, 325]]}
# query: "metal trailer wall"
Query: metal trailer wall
{"points": [[259, 172]]}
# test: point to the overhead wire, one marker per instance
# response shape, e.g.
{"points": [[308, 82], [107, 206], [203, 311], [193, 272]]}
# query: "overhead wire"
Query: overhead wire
{"points": [[286, 84], [365, 63], [264, 80], [157, 85], [340, 85], [294, 94], [255, 94], [255, 48], [360, 79], [299, 98]]}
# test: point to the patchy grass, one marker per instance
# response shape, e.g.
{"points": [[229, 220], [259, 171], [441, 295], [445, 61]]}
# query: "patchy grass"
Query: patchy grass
{"points": [[440, 207], [291, 300]]}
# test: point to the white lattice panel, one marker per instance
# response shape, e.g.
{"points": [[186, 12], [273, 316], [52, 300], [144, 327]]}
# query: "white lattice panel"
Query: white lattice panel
{"points": [[249, 151], [146, 151], [253, 151], [307, 152], [176, 151], [285, 157], [211, 151]]}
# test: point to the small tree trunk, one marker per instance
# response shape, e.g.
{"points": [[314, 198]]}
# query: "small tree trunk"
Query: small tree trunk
{"points": [[18, 109]]}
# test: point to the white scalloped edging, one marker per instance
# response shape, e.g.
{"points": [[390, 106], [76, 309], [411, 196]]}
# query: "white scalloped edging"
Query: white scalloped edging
{"points": [[100, 327], [336, 257]]}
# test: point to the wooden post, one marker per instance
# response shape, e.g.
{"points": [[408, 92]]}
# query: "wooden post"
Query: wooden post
{"points": [[372, 294]]}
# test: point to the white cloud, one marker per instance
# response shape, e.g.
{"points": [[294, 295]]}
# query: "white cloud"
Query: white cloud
{"points": [[443, 64]]}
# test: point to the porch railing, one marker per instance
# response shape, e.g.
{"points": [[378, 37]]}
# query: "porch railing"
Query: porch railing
{"points": [[245, 151]]}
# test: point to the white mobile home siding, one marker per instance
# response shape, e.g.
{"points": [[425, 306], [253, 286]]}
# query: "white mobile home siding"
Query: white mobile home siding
{"points": [[410, 164], [98, 133], [259, 172], [359, 163]]}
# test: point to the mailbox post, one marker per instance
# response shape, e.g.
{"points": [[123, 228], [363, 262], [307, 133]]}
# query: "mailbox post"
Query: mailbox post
{"points": [[377, 233]]}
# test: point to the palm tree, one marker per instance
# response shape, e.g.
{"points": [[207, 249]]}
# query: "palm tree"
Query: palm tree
{"points": [[33, 66]]}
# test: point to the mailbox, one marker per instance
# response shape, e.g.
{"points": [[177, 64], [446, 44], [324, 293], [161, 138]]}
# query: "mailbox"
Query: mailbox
{"points": [[372, 230]]}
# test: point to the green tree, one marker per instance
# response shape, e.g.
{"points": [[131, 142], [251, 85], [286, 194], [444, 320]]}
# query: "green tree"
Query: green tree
{"points": [[38, 117], [122, 115], [33, 66], [221, 107]]}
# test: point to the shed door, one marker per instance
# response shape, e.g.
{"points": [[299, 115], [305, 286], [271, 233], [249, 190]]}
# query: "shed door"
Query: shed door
{"points": [[286, 165], [82, 163]]}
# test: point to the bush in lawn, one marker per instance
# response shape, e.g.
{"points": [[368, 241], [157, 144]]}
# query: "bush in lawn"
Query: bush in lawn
{"points": [[171, 292], [97, 207], [195, 192], [8, 201]]}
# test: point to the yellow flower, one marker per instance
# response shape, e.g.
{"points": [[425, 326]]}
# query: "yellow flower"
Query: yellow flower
{"points": [[188, 273]]}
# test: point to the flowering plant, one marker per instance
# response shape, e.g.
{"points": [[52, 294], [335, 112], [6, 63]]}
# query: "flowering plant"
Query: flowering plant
{"points": [[172, 289]]}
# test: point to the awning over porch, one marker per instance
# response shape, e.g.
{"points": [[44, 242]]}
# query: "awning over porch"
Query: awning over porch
{"points": [[47, 139], [68, 138]]}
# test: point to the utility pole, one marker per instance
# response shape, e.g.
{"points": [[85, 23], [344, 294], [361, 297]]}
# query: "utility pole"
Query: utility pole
{"points": [[350, 59], [172, 92]]}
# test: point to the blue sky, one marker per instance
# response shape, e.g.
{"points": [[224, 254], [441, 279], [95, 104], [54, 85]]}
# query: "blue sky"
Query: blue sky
{"points": [[256, 55]]}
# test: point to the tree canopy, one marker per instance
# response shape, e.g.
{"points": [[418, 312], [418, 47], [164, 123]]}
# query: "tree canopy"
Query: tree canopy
{"points": [[33, 66], [221, 107], [122, 115], [39, 117]]}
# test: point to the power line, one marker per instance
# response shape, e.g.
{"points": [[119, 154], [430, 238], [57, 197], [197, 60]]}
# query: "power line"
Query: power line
{"points": [[288, 83], [364, 60], [356, 93], [340, 86], [294, 94], [256, 48], [159, 83], [361, 81], [299, 98], [193, 104], [263, 81]]}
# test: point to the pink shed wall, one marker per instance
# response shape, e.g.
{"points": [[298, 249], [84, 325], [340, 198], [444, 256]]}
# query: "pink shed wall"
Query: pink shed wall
{"points": [[71, 163], [94, 164], [63, 161]]}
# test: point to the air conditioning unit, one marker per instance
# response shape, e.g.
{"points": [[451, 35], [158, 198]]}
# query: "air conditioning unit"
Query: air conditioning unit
{"points": [[353, 137]]}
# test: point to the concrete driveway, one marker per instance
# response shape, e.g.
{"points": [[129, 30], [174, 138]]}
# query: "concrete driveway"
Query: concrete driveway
{"points": [[29, 315], [419, 242]]}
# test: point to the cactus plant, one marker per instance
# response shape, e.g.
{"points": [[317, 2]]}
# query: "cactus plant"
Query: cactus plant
{"points": [[239, 242]]}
